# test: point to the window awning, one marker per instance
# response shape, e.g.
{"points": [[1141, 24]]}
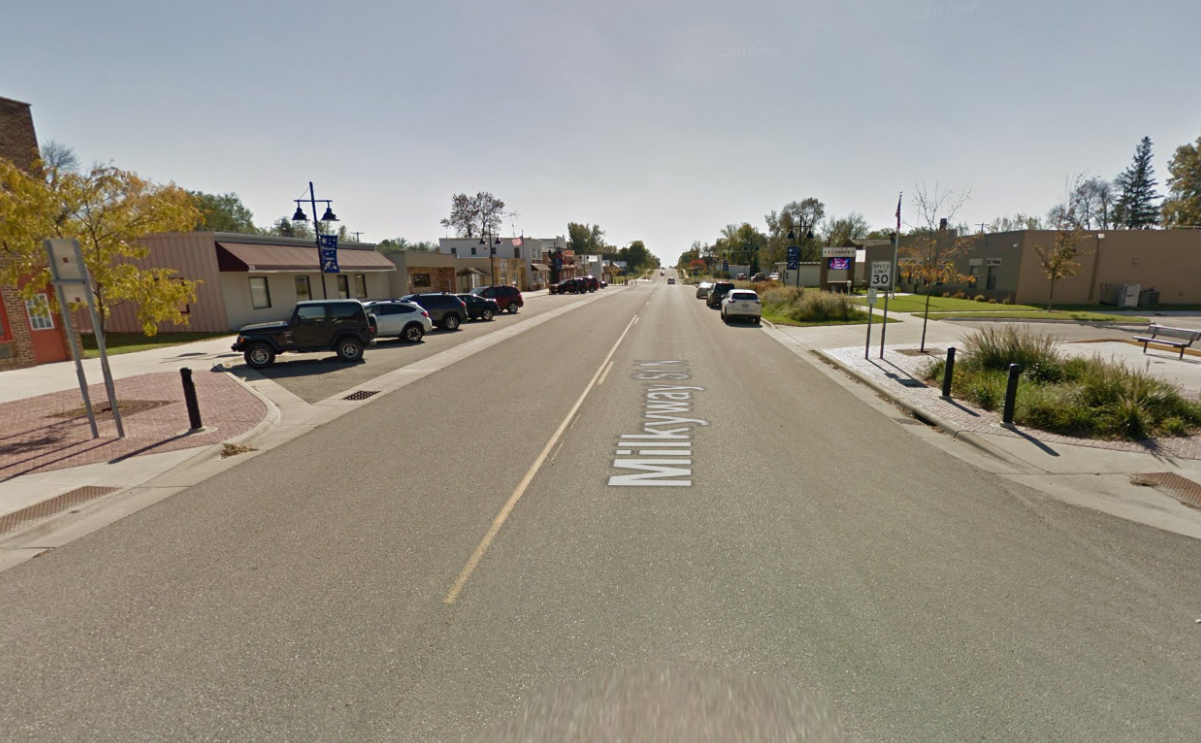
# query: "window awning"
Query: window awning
{"points": [[541, 267], [294, 258], [469, 271]]}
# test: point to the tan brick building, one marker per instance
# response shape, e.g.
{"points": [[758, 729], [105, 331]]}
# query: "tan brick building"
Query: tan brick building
{"points": [[30, 334]]}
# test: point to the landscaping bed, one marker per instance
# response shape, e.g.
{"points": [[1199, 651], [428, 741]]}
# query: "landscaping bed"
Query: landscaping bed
{"points": [[1076, 396]]}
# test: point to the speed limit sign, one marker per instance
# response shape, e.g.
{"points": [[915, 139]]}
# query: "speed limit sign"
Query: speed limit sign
{"points": [[881, 275]]}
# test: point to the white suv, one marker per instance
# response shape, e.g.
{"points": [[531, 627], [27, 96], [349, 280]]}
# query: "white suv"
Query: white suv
{"points": [[742, 303], [405, 320]]}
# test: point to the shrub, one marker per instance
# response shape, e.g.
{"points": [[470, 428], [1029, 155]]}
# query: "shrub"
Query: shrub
{"points": [[980, 298], [959, 294], [995, 348], [1007, 299], [819, 306], [946, 294], [992, 300]]}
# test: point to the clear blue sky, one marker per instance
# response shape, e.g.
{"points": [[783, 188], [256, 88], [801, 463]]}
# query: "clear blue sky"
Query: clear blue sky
{"points": [[660, 121]]}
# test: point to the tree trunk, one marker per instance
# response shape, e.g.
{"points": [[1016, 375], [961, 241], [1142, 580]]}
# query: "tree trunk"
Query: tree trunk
{"points": [[1051, 297], [925, 317]]}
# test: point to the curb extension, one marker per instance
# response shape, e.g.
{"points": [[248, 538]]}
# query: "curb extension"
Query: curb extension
{"points": [[954, 430]]}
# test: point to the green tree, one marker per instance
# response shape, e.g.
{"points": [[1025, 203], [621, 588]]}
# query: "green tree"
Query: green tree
{"points": [[586, 239], [1016, 223], [223, 213], [285, 227], [474, 216], [933, 248], [396, 244], [1182, 208], [107, 210], [1059, 258], [1136, 202]]}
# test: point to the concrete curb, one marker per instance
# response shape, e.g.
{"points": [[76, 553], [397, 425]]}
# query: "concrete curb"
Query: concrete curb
{"points": [[954, 430], [1090, 323]]}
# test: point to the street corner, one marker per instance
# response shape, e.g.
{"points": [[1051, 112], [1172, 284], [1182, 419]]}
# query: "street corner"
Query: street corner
{"points": [[51, 432]]}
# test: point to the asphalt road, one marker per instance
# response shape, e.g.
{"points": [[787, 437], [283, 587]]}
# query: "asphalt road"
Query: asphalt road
{"points": [[821, 561]]}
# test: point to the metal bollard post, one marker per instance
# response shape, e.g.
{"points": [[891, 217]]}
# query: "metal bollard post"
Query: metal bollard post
{"points": [[1011, 393], [189, 398], [948, 373]]}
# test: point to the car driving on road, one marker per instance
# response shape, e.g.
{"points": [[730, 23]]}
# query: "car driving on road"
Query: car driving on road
{"points": [[446, 310], [743, 304], [702, 289], [405, 320], [339, 325], [717, 293]]}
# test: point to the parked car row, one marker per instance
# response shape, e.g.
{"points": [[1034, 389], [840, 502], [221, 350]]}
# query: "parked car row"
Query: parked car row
{"points": [[733, 302], [348, 326], [580, 285]]}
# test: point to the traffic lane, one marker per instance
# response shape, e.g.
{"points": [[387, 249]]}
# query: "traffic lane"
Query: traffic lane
{"points": [[822, 545], [318, 376], [299, 594]]}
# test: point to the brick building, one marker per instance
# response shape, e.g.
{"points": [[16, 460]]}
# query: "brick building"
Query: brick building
{"points": [[30, 334]]}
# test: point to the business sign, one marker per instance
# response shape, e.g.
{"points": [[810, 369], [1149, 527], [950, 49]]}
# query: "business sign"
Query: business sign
{"points": [[328, 248], [838, 252], [568, 253], [881, 275], [794, 258], [725, 266], [840, 264]]}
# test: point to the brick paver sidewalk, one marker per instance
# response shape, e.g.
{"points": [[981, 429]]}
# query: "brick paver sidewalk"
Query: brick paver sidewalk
{"points": [[897, 368], [51, 432]]}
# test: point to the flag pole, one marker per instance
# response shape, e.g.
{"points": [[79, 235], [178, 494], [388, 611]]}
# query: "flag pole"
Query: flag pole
{"points": [[896, 242]]}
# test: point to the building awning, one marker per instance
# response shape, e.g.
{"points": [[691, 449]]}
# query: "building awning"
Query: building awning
{"points": [[541, 267], [469, 271], [293, 258]]}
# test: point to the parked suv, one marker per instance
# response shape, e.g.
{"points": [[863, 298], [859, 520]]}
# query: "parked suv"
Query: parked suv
{"points": [[569, 286], [508, 298], [405, 320], [339, 325], [446, 310], [590, 283], [718, 292]]}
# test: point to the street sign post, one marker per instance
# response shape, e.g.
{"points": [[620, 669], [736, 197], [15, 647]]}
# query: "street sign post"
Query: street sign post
{"points": [[69, 276], [881, 278]]}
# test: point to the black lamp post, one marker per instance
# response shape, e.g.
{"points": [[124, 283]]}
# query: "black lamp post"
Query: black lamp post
{"points": [[329, 216], [792, 236], [491, 250]]}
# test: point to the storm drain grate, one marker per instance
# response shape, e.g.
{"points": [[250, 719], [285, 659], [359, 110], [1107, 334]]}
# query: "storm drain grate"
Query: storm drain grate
{"points": [[1181, 488], [361, 395], [908, 422], [56, 505]]}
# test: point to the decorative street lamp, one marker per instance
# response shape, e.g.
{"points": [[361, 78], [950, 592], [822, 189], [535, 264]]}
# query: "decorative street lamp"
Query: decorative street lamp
{"points": [[491, 250], [328, 216], [792, 236]]}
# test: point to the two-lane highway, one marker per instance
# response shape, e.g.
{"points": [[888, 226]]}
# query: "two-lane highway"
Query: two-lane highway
{"points": [[630, 488]]}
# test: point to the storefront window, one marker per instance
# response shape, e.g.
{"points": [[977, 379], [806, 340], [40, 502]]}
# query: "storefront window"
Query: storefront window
{"points": [[360, 285], [343, 286], [303, 291], [260, 295]]}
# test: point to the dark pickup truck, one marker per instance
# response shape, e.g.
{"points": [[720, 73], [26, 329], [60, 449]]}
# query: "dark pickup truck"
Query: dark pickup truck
{"points": [[341, 326]]}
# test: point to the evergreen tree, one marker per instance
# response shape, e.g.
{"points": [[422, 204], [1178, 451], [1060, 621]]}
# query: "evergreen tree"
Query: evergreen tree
{"points": [[1137, 206]]}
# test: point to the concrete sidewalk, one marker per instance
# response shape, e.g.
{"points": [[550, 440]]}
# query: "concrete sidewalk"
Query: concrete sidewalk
{"points": [[1092, 473]]}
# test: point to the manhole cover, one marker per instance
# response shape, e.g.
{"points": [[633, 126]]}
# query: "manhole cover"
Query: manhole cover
{"points": [[104, 410], [56, 505], [361, 395], [1181, 488]]}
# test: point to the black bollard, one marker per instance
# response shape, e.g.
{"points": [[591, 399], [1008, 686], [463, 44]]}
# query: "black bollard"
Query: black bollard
{"points": [[948, 373], [189, 398], [1011, 393]]}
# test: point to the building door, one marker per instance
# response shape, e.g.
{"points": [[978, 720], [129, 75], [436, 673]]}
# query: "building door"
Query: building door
{"points": [[48, 345]]}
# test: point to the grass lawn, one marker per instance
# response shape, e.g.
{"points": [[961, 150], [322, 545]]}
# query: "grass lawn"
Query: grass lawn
{"points": [[1077, 315], [780, 320], [943, 307], [131, 342]]}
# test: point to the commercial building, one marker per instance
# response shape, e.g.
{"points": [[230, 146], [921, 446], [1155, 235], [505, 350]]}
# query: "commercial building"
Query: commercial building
{"points": [[30, 332], [525, 259], [244, 279], [1152, 266]]}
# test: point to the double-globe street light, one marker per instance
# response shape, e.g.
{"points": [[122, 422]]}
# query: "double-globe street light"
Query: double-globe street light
{"points": [[329, 216], [491, 250]]}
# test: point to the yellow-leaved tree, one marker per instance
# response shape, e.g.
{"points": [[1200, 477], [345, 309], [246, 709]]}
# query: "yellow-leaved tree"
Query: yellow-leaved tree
{"points": [[108, 210]]}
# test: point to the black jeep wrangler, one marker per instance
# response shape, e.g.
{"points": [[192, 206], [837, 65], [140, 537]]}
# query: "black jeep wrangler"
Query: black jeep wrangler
{"points": [[339, 325]]}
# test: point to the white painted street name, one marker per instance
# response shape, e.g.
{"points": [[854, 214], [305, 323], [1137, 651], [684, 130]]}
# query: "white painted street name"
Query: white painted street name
{"points": [[661, 454]]}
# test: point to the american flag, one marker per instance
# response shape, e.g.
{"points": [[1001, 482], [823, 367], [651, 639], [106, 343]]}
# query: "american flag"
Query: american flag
{"points": [[516, 241], [899, 211]]}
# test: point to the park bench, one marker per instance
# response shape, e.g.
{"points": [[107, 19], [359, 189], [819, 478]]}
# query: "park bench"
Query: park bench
{"points": [[1162, 334]]}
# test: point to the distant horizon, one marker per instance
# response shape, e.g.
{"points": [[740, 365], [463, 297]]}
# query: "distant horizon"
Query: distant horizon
{"points": [[662, 123]]}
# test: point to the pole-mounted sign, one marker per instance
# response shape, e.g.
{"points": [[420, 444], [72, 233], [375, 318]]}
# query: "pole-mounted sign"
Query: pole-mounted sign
{"points": [[329, 253], [881, 276]]}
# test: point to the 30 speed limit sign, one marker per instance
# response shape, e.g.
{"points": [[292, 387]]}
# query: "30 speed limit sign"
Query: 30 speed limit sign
{"points": [[881, 275]]}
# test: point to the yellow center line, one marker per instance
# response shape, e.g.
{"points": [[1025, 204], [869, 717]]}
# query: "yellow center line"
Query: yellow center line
{"points": [[505, 510], [607, 369]]}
